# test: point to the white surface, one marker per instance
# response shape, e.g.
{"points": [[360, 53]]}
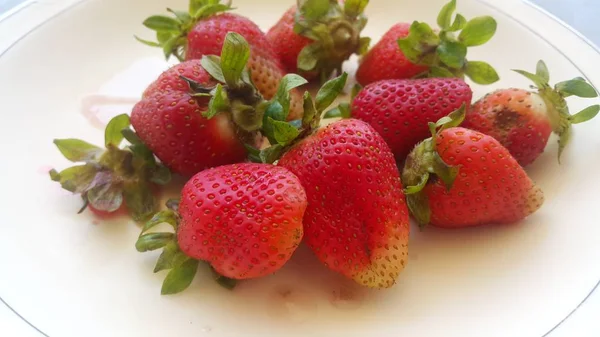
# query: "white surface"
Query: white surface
{"points": [[69, 276]]}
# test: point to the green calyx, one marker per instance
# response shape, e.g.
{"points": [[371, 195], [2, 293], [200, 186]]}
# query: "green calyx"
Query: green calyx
{"points": [[172, 31], [424, 165], [109, 177], [282, 134], [556, 104], [335, 31], [445, 53], [182, 268]]}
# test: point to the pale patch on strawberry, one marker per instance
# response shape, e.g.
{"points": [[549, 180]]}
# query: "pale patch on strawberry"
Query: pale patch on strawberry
{"points": [[523, 120]]}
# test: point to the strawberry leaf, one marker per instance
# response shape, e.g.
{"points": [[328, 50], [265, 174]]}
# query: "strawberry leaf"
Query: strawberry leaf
{"points": [[307, 58], [342, 110], [542, 71], [283, 132], [478, 31], [419, 187], [311, 117], [113, 135], [153, 241], [354, 8], [418, 204], [313, 9], [77, 150], [234, 57], [212, 64], [182, 16], [210, 10], [161, 175], [139, 200], [443, 171], [459, 23], [170, 257], [271, 154], [363, 45], [167, 216], [444, 19], [481, 72], [452, 53], [146, 42], [577, 88], [585, 114], [162, 23], [329, 92], [537, 80], [440, 72], [180, 277], [420, 41], [280, 104], [75, 179], [105, 195], [218, 102], [289, 82]]}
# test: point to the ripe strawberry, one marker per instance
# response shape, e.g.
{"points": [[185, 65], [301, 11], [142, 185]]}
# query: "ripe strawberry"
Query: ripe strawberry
{"points": [[114, 180], [356, 221], [386, 61], [191, 124], [400, 109], [317, 39], [522, 121], [417, 50], [245, 220], [202, 32], [463, 178]]}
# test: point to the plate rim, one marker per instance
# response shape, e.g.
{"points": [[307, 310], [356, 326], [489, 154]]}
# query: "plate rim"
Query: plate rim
{"points": [[27, 4]]}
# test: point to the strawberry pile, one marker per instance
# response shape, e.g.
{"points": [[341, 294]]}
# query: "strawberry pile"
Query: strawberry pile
{"points": [[265, 176]]}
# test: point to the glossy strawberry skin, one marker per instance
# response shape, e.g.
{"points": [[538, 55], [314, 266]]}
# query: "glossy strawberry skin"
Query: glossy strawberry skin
{"points": [[170, 122], [400, 110], [170, 80], [266, 71], [517, 118], [357, 219], [287, 44], [386, 61], [243, 219], [491, 187]]}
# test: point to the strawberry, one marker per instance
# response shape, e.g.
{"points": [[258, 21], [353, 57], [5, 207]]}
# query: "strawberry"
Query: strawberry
{"points": [[417, 50], [201, 113], [245, 220], [463, 178], [114, 179], [522, 121], [386, 61], [400, 109], [356, 221], [202, 32], [317, 39]]}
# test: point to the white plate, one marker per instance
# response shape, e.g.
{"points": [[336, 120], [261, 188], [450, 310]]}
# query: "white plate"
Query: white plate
{"points": [[70, 276]]}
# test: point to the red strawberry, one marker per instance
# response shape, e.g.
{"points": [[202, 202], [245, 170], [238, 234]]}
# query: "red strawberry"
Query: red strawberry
{"points": [[316, 40], [202, 32], [463, 178], [191, 124], [245, 220], [400, 109], [386, 61], [523, 121], [356, 221], [113, 180], [409, 50]]}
